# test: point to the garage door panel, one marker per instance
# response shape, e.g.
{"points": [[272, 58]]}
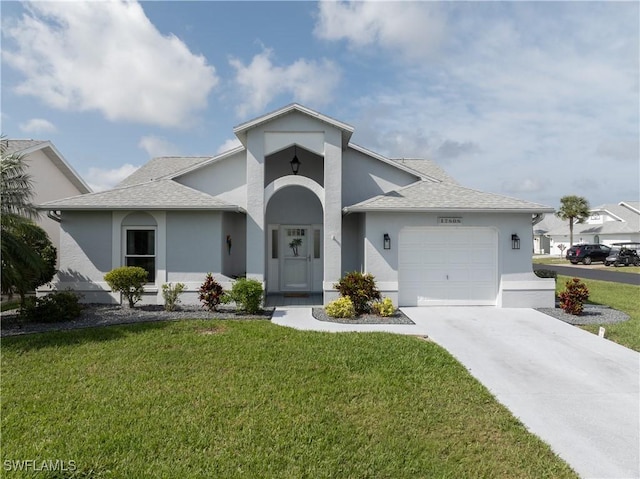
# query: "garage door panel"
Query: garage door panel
{"points": [[447, 266]]}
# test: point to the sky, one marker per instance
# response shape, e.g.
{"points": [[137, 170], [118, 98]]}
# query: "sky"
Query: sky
{"points": [[534, 100]]}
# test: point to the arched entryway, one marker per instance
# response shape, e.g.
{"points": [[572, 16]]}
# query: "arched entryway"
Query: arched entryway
{"points": [[294, 217]]}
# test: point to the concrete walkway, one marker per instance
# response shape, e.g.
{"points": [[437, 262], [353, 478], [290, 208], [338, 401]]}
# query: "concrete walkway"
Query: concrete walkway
{"points": [[578, 392]]}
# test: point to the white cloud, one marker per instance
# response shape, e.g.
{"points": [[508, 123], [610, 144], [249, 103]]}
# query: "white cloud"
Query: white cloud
{"points": [[523, 185], [229, 144], [157, 146], [38, 125], [307, 81], [520, 100], [107, 57], [411, 29], [100, 179]]}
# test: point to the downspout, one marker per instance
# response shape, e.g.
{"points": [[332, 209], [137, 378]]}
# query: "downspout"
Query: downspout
{"points": [[54, 215]]}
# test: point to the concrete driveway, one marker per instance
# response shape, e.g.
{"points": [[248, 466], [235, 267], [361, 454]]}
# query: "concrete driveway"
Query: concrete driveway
{"points": [[578, 392]]}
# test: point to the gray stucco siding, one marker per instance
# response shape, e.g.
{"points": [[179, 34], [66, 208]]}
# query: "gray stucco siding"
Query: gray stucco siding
{"points": [[225, 179], [85, 246], [364, 177], [194, 245]]}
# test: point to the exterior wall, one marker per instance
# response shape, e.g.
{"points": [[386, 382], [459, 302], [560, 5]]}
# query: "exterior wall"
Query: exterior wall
{"points": [[317, 137], [226, 179], [194, 247], [234, 258], [353, 242], [367, 177], [518, 286], [49, 184], [85, 255]]}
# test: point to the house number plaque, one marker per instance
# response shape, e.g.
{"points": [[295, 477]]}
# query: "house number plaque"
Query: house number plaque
{"points": [[449, 220]]}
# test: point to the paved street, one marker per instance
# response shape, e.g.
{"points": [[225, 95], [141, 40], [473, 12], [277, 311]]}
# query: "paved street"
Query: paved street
{"points": [[592, 272]]}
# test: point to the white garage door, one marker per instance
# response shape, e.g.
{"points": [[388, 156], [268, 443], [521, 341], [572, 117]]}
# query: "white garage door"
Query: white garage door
{"points": [[447, 266]]}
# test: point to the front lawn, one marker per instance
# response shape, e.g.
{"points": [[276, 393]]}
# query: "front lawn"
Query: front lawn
{"points": [[252, 399], [550, 260], [624, 297]]}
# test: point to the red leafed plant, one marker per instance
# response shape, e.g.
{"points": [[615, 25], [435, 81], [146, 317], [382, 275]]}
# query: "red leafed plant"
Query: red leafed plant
{"points": [[574, 296], [210, 293]]}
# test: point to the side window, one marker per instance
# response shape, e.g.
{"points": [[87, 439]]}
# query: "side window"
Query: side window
{"points": [[140, 250]]}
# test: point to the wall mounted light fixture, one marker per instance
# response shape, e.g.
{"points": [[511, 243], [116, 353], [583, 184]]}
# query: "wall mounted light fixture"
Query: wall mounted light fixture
{"points": [[387, 241], [295, 163], [515, 241]]}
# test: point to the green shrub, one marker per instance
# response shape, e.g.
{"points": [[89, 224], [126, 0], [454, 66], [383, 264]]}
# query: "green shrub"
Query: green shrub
{"points": [[341, 308], [384, 308], [361, 288], [128, 280], [52, 308], [210, 293], [247, 294], [573, 297], [171, 295]]}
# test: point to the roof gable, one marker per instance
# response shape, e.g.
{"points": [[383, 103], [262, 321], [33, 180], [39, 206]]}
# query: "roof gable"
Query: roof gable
{"points": [[242, 129], [26, 147]]}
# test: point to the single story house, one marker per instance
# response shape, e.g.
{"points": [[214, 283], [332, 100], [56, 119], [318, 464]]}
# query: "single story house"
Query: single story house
{"points": [[52, 178], [295, 206], [609, 223]]}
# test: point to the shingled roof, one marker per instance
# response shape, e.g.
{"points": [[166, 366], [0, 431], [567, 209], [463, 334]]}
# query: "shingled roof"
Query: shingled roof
{"points": [[428, 196], [161, 167], [154, 195], [426, 167]]}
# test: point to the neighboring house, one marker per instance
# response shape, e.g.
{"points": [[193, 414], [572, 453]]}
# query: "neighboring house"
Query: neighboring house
{"points": [[541, 242], [52, 178], [608, 224], [295, 207]]}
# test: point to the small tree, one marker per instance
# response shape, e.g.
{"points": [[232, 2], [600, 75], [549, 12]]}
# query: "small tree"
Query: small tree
{"points": [[361, 288], [573, 297], [25, 275], [210, 293], [128, 280], [575, 209], [24, 266]]}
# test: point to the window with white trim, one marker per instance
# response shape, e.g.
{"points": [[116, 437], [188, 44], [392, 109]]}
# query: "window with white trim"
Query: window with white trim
{"points": [[140, 250]]}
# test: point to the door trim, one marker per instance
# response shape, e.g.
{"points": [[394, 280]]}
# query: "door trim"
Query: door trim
{"points": [[284, 246]]}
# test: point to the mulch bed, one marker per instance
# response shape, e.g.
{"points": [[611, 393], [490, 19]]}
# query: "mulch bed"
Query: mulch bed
{"points": [[398, 318]]}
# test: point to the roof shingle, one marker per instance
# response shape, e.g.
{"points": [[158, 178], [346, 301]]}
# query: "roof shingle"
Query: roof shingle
{"points": [[160, 194], [429, 196], [161, 167]]}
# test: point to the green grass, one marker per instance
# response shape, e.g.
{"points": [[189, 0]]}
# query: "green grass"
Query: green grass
{"points": [[252, 399], [549, 260], [624, 297], [8, 305]]}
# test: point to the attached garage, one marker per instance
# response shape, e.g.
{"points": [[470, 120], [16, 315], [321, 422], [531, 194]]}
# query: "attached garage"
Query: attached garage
{"points": [[447, 266]]}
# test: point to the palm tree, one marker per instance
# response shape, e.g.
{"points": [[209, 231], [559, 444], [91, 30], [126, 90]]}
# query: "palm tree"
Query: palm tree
{"points": [[20, 259], [575, 209]]}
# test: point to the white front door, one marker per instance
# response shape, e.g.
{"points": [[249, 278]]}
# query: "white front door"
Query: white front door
{"points": [[295, 254]]}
